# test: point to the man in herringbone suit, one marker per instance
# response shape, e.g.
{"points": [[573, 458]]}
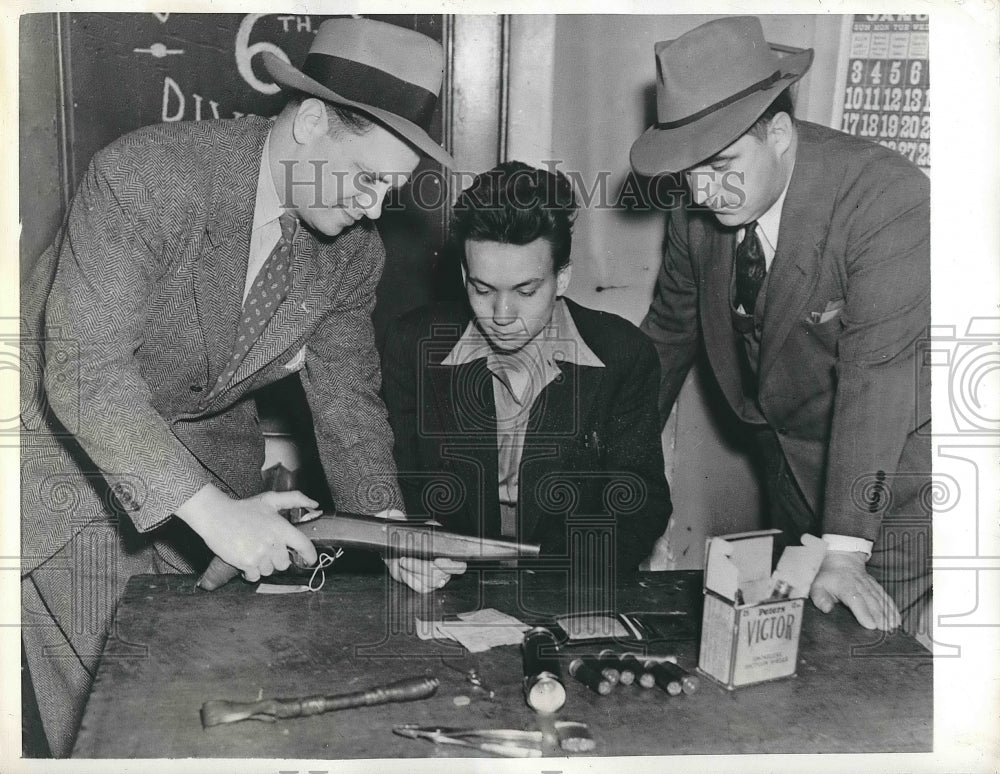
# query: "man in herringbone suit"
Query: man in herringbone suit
{"points": [[141, 447]]}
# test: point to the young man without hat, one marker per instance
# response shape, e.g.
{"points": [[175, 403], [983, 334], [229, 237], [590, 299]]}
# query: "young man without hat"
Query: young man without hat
{"points": [[801, 262], [536, 415], [200, 262]]}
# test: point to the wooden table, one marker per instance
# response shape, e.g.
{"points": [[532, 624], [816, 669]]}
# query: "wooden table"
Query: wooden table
{"points": [[174, 648]]}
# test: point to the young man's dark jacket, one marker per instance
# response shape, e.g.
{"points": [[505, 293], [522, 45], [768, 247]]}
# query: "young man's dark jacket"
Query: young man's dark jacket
{"points": [[592, 455]]}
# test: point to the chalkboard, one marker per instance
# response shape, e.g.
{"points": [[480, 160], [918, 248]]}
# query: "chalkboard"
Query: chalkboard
{"points": [[887, 91]]}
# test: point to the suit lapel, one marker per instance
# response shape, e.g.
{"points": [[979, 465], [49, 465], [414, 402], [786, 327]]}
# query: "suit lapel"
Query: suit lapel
{"points": [[721, 343], [483, 412], [294, 315], [463, 398], [805, 222], [221, 273]]}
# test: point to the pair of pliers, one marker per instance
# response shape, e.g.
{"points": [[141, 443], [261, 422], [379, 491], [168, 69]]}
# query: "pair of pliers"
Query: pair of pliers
{"points": [[509, 742]]}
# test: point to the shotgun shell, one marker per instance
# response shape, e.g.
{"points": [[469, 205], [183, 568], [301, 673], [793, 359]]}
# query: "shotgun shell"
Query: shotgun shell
{"points": [[543, 688], [664, 678], [636, 672], [689, 682], [587, 673], [608, 663]]}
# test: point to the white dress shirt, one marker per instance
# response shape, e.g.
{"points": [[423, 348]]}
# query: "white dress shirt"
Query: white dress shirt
{"points": [[266, 229]]}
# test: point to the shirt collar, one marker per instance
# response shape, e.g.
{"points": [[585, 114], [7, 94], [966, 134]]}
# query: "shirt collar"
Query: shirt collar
{"points": [[267, 206], [560, 340], [769, 223]]}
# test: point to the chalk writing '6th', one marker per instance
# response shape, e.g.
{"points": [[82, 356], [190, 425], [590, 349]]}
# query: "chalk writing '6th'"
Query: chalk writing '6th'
{"points": [[245, 52]]}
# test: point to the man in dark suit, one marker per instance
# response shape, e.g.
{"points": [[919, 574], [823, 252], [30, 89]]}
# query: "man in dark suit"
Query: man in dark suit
{"points": [[802, 264], [525, 415], [198, 264]]}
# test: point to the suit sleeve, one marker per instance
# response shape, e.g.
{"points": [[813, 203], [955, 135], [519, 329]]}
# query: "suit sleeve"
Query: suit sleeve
{"points": [[342, 379], [634, 447], [108, 258], [672, 319], [887, 311]]}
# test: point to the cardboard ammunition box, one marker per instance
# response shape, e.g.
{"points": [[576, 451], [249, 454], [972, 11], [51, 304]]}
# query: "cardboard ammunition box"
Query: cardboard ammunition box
{"points": [[752, 617]]}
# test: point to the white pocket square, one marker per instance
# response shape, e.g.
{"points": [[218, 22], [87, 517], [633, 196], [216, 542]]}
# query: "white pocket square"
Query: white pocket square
{"points": [[833, 309]]}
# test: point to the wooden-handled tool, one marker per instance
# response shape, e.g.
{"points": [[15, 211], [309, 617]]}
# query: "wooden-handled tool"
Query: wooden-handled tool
{"points": [[218, 711], [390, 537]]}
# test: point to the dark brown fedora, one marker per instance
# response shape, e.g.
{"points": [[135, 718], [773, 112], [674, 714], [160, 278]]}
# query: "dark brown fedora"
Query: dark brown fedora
{"points": [[387, 72], [712, 83]]}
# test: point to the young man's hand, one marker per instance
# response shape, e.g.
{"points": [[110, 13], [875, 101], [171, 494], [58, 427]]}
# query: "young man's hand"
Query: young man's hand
{"points": [[424, 575], [842, 578], [249, 534], [421, 575]]}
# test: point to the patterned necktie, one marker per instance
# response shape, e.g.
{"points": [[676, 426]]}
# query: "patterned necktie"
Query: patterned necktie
{"points": [[267, 292], [750, 269]]}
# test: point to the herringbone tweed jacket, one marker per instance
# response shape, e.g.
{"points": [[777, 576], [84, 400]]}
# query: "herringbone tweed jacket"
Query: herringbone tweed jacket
{"points": [[128, 320]]}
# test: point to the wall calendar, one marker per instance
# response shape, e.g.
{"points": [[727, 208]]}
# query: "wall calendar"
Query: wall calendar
{"points": [[886, 96]]}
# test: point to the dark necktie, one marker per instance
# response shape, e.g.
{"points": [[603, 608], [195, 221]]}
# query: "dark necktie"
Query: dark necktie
{"points": [[267, 292], [750, 269]]}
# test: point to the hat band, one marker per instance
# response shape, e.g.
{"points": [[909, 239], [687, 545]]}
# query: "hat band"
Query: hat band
{"points": [[373, 87], [772, 79]]}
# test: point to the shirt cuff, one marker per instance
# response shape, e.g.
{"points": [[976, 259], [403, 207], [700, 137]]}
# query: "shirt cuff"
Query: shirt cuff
{"points": [[846, 543]]}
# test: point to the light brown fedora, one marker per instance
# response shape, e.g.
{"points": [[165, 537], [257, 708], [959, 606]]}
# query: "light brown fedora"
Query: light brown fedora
{"points": [[387, 72], [712, 83]]}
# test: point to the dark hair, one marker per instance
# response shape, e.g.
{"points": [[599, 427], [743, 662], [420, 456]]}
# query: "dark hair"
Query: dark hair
{"points": [[340, 117], [515, 204], [781, 104]]}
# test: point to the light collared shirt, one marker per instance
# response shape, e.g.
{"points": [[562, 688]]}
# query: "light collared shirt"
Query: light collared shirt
{"points": [[767, 234], [266, 211], [768, 226], [519, 379]]}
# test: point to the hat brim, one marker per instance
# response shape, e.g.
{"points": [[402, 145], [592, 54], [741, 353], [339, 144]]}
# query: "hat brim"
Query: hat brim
{"points": [[668, 151], [289, 77]]}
